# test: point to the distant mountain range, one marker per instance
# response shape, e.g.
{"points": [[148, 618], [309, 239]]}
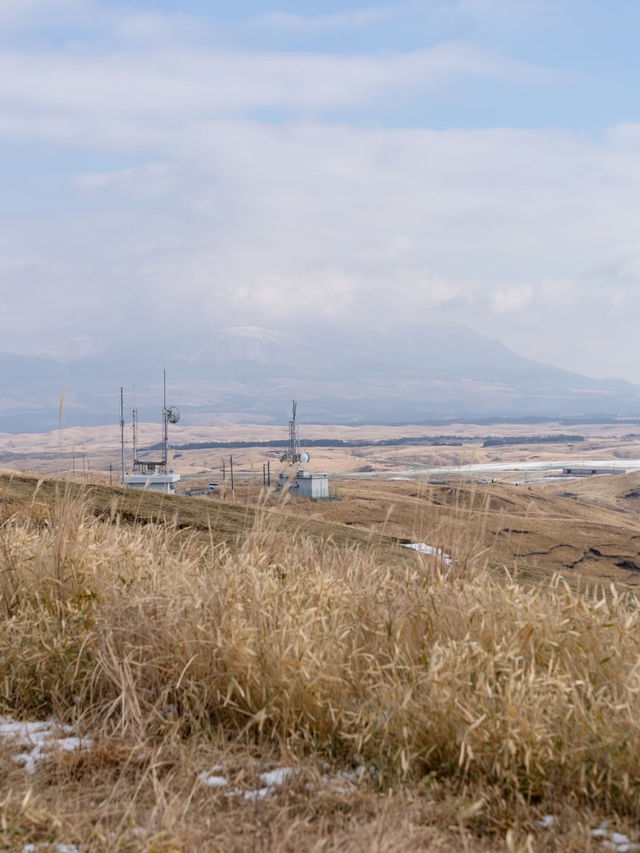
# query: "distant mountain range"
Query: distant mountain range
{"points": [[427, 374]]}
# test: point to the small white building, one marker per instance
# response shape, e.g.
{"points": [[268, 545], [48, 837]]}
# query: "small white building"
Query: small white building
{"points": [[153, 482], [303, 484]]}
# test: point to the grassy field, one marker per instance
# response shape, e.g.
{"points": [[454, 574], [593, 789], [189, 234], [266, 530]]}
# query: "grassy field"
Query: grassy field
{"points": [[93, 449], [268, 675]]}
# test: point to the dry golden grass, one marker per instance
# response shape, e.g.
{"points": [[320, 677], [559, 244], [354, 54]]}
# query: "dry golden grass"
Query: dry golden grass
{"points": [[586, 536], [467, 705]]}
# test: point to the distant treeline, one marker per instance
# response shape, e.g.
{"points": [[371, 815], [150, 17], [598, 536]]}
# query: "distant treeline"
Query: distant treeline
{"points": [[532, 439], [423, 440], [431, 441]]}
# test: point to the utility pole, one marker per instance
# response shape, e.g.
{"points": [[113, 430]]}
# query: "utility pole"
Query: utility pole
{"points": [[110, 473], [268, 472], [134, 430], [233, 493]]}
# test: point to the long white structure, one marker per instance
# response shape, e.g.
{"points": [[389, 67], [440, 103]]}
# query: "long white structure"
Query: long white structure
{"points": [[154, 482]]}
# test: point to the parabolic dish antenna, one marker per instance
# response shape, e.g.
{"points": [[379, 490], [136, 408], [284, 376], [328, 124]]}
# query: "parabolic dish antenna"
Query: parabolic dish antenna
{"points": [[304, 458], [173, 414]]}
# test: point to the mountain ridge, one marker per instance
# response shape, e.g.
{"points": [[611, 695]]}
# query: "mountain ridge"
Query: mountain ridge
{"points": [[430, 373]]}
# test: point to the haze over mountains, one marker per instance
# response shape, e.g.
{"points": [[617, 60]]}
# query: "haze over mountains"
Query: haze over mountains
{"points": [[350, 376]]}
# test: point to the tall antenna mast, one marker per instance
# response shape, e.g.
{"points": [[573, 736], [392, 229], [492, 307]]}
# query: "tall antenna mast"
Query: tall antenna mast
{"points": [[292, 453], [170, 415], [122, 434], [165, 424], [294, 444], [134, 429]]}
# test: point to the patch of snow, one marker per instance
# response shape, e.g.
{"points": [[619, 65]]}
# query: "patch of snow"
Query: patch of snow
{"points": [[277, 777], [50, 848], [616, 841], [423, 548], [39, 739], [272, 781], [405, 479], [336, 781], [259, 793], [212, 781], [547, 821]]}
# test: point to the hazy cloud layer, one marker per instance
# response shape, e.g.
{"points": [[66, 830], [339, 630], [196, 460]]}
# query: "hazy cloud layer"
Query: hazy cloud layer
{"points": [[166, 181]]}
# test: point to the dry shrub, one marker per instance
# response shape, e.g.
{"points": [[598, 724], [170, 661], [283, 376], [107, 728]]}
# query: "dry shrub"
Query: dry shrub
{"points": [[415, 672]]}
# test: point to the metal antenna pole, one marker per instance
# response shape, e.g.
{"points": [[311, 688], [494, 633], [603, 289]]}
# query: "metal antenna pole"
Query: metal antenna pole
{"points": [[122, 434], [165, 425], [293, 437], [134, 429]]}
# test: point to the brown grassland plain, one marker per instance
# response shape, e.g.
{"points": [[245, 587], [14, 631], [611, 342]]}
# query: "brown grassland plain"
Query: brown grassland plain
{"points": [[406, 704], [96, 448]]}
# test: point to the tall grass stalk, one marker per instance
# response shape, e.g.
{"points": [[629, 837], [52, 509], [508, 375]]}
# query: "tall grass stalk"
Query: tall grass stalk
{"points": [[416, 672]]}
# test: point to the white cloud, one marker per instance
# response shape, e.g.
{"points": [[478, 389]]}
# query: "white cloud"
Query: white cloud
{"points": [[218, 219], [152, 28], [167, 84], [512, 300], [355, 19], [242, 222], [503, 14], [14, 11], [151, 180]]}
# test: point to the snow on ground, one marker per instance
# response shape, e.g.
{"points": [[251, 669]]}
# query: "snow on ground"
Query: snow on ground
{"points": [[616, 841], [212, 779], [50, 848], [423, 548], [611, 840], [38, 740], [272, 781]]}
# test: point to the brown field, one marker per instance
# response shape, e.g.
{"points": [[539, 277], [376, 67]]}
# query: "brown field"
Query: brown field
{"points": [[405, 704], [90, 450]]}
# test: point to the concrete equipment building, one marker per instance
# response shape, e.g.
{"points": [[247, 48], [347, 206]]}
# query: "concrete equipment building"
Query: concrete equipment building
{"points": [[305, 485]]}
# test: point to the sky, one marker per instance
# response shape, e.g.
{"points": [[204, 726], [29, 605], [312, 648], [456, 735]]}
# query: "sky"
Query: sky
{"points": [[169, 168]]}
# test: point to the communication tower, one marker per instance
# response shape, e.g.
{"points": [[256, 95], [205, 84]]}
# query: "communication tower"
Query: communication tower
{"points": [[300, 482], [154, 474], [292, 453]]}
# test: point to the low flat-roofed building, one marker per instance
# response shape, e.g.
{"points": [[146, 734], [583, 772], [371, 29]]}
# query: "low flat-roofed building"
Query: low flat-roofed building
{"points": [[306, 485]]}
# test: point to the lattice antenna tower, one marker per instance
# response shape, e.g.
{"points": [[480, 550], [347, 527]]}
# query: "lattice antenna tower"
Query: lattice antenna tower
{"points": [[292, 454], [170, 415]]}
